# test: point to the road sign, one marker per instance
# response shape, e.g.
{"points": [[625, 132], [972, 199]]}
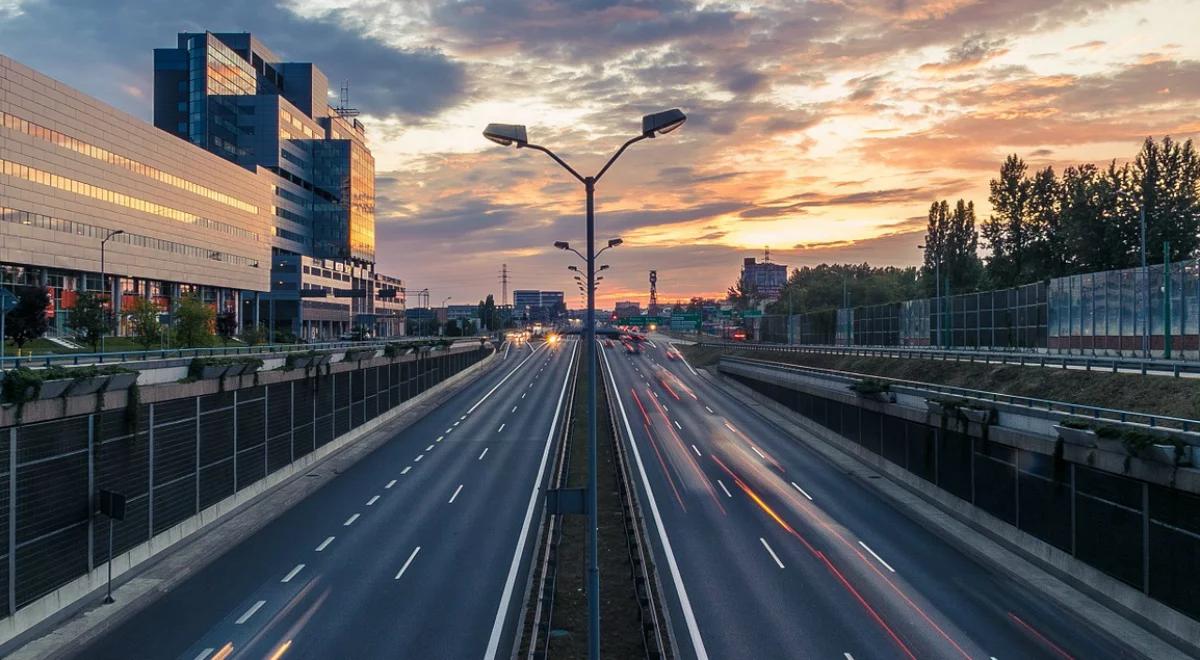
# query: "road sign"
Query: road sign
{"points": [[751, 314], [8, 300]]}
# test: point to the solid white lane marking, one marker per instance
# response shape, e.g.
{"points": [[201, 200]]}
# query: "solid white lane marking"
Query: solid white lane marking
{"points": [[513, 410], [685, 603], [408, 562], [722, 485], [455, 495], [695, 450], [439, 439], [324, 544], [498, 626], [802, 491], [877, 557], [405, 470], [709, 409], [291, 574], [500, 429], [250, 612], [677, 424], [205, 653], [429, 448], [773, 555], [760, 454], [390, 483], [350, 520], [418, 458], [373, 500], [484, 453]]}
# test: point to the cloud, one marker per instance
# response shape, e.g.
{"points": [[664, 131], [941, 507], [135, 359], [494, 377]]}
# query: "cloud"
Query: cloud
{"points": [[972, 52], [103, 41]]}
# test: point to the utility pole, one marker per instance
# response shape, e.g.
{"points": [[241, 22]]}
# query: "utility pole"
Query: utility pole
{"points": [[1146, 280], [652, 309], [503, 284]]}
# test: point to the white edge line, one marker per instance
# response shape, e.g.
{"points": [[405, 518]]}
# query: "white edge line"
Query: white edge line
{"points": [[877, 557], [292, 573], [513, 568], [325, 544], [685, 603], [772, 552], [689, 366], [802, 491], [407, 562], [250, 612]]}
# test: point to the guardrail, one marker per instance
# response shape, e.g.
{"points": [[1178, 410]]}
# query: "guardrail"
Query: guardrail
{"points": [[920, 388], [1062, 361], [114, 357]]}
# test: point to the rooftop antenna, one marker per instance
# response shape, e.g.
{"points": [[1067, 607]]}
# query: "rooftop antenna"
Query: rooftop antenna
{"points": [[344, 110], [767, 254]]}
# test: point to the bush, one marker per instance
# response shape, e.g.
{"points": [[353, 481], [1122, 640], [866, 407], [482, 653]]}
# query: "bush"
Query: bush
{"points": [[870, 386], [18, 381], [197, 365]]}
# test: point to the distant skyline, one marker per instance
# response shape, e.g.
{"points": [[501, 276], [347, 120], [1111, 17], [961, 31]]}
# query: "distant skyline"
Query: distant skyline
{"points": [[822, 129]]}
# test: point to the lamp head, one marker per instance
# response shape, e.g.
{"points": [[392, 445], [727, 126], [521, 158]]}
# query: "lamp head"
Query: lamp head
{"points": [[614, 242], [661, 123], [506, 134], [562, 245]]}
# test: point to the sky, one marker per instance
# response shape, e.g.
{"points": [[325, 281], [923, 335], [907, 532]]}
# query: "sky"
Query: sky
{"points": [[821, 129]]}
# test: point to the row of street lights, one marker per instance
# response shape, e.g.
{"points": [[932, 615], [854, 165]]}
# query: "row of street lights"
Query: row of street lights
{"points": [[653, 125]]}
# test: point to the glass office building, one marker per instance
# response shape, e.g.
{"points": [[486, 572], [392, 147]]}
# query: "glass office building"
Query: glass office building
{"points": [[229, 94]]}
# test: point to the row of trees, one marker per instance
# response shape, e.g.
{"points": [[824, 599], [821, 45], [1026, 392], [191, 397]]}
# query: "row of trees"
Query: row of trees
{"points": [[1087, 219], [193, 321]]}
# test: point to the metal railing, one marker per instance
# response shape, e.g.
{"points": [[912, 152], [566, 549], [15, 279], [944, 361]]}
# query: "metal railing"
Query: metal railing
{"points": [[115, 357], [982, 356], [919, 388]]}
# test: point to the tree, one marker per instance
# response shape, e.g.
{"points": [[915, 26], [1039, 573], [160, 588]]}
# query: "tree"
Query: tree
{"points": [[89, 319], [452, 329], [1045, 254], [952, 242], [193, 322], [27, 320], [1006, 232], [144, 323], [226, 326], [1166, 178], [254, 335], [743, 295]]}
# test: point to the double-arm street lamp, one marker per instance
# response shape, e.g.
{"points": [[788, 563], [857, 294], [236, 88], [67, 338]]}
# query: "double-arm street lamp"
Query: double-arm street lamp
{"points": [[653, 125], [104, 282]]}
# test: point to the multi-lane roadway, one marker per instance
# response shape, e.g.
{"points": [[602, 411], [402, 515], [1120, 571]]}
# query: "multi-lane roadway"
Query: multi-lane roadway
{"points": [[766, 550], [420, 550]]}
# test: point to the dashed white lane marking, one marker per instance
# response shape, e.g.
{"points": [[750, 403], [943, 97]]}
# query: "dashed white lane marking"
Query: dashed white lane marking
{"points": [[291, 574], [531, 385], [405, 470], [772, 552], [484, 453], [324, 544], [418, 458], [408, 562], [677, 424], [449, 429], [350, 520], [500, 429], [373, 500], [709, 409], [455, 495], [454, 424], [439, 439], [390, 483], [695, 450], [760, 454], [722, 485], [877, 557], [204, 654], [665, 408], [523, 394], [250, 612], [850, 657], [462, 418], [513, 410], [802, 491], [429, 448]]}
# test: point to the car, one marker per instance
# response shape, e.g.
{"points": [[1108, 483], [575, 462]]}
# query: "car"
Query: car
{"points": [[672, 354], [608, 343]]}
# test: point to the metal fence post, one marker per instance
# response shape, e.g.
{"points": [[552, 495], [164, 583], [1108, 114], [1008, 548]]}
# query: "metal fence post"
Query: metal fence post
{"points": [[91, 472], [12, 520], [150, 489]]}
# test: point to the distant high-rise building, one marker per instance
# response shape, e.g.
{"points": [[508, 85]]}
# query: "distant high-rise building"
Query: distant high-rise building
{"points": [[627, 308], [766, 278], [229, 94], [533, 306]]}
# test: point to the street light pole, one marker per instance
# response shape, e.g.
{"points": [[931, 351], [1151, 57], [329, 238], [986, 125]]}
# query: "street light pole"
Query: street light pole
{"points": [[104, 278], [653, 125]]}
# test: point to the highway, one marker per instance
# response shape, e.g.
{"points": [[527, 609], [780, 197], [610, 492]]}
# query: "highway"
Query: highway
{"points": [[766, 550], [420, 549]]}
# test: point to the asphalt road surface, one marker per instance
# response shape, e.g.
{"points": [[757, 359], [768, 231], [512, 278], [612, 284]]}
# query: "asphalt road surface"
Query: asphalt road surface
{"points": [[766, 550], [420, 550]]}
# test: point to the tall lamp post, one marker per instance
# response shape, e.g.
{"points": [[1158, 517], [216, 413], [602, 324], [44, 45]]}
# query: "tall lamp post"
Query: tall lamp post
{"points": [[659, 123], [937, 270], [104, 277], [442, 326]]}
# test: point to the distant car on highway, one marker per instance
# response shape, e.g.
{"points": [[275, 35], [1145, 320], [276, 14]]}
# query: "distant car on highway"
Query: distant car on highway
{"points": [[608, 343], [672, 354]]}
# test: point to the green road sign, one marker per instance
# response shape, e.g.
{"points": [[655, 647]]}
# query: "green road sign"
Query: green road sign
{"points": [[751, 314]]}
